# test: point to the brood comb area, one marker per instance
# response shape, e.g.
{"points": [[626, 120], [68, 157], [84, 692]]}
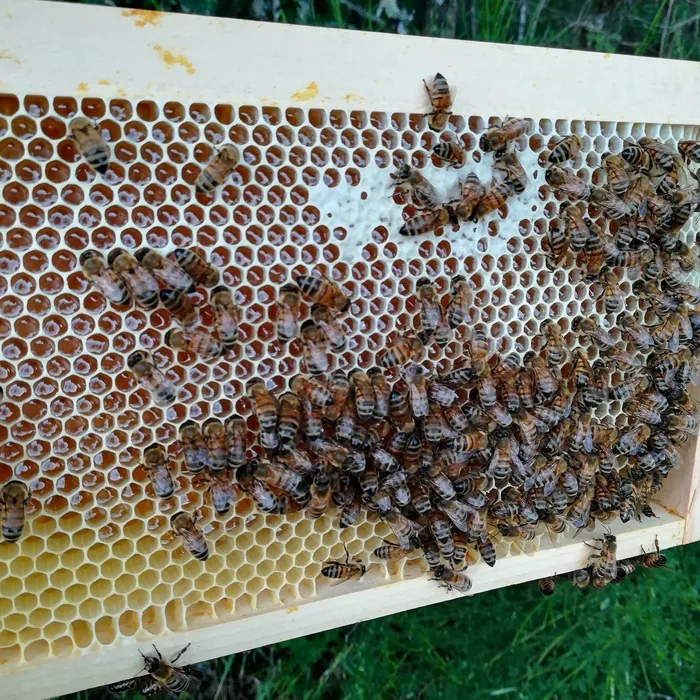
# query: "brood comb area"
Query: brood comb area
{"points": [[98, 560]]}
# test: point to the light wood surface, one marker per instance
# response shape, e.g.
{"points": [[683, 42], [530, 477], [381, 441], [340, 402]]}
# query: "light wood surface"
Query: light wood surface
{"points": [[372, 597], [100, 51]]}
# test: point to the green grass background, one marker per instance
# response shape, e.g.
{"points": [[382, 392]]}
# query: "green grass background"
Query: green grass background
{"points": [[636, 640]]}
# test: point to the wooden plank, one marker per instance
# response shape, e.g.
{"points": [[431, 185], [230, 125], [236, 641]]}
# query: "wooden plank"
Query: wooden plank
{"points": [[374, 596]]}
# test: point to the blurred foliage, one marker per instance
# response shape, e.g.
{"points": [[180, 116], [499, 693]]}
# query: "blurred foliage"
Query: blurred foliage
{"points": [[668, 28]]}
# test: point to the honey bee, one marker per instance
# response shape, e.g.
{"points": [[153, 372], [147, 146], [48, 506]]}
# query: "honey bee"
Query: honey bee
{"points": [[664, 156], [349, 513], [558, 241], [165, 270], [227, 316], [214, 434], [236, 432], [287, 313], [344, 571], [382, 393], [478, 349], [460, 302], [442, 532], [156, 467], [449, 578], [196, 267], [580, 510], [566, 149], [199, 342], [390, 551], [221, 491], [323, 318], [440, 97], [13, 499], [195, 448], [404, 530], [497, 138], [612, 294], [576, 227], [364, 393], [431, 314], [404, 349], [180, 307], [151, 378], [546, 383], [566, 182], [337, 391], [107, 281], [217, 169], [592, 330], [414, 376], [605, 564], [90, 144], [413, 183], [653, 560], [500, 467], [322, 291], [162, 677], [595, 256], [546, 585], [638, 157], [580, 578], [625, 568], [400, 412], [186, 527], [321, 493], [690, 150], [290, 418], [314, 391], [487, 551], [611, 204], [141, 283], [619, 180], [451, 152], [512, 171], [621, 358], [681, 422], [282, 478], [632, 440], [494, 199], [429, 220], [669, 182], [315, 348], [264, 405], [554, 350]]}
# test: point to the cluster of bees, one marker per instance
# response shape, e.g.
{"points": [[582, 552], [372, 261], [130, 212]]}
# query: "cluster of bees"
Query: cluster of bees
{"points": [[605, 568]]}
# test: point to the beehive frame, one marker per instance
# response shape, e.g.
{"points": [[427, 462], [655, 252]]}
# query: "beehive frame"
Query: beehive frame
{"points": [[136, 56]]}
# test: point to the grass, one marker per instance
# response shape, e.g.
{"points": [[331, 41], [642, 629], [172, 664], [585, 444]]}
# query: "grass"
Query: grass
{"points": [[638, 640]]}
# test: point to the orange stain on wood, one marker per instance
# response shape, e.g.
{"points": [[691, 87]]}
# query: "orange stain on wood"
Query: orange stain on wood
{"points": [[171, 59], [292, 609], [103, 82], [310, 92], [353, 97], [144, 17], [82, 87], [7, 56]]}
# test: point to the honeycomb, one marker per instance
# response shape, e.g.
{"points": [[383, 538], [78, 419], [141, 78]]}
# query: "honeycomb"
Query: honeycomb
{"points": [[97, 561]]}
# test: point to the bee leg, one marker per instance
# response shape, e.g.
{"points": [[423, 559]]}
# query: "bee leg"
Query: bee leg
{"points": [[656, 542], [427, 89], [180, 653], [347, 555]]}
